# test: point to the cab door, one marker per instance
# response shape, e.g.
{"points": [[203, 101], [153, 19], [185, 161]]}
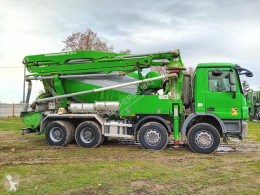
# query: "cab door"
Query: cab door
{"points": [[220, 99]]}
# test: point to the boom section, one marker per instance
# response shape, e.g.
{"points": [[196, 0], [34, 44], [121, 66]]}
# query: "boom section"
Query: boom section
{"points": [[80, 62]]}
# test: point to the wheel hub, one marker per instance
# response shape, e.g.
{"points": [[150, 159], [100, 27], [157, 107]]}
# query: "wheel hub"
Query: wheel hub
{"points": [[204, 139], [56, 134], [152, 137], [87, 135]]}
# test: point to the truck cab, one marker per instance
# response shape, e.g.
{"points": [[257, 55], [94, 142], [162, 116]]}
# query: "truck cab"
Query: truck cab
{"points": [[218, 95]]}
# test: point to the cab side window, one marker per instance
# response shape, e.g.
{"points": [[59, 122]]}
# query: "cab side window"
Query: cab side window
{"points": [[219, 83]]}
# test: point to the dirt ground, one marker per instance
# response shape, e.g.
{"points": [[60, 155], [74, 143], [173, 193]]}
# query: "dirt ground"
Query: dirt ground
{"points": [[123, 168]]}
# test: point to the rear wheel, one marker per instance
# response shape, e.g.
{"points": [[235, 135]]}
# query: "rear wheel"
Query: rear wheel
{"points": [[73, 129], [88, 134], [153, 135], [103, 138], [59, 133], [203, 138]]}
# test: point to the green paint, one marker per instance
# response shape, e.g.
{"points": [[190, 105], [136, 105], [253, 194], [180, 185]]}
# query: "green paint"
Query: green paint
{"points": [[32, 120], [156, 83], [144, 104], [49, 64], [71, 86], [176, 122], [135, 75], [48, 87], [60, 91], [211, 94], [216, 65]]}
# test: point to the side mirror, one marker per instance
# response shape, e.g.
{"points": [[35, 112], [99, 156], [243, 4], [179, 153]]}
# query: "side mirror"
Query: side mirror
{"points": [[217, 72], [249, 74]]}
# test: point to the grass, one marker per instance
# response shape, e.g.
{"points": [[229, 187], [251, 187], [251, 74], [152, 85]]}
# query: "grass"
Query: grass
{"points": [[254, 131], [114, 169]]}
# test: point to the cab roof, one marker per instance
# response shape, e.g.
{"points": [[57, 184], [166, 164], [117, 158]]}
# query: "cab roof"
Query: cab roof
{"points": [[205, 65]]}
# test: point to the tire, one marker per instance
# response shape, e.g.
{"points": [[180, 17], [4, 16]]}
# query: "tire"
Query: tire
{"points": [[88, 134], [103, 138], [59, 133], [153, 135], [210, 142], [73, 129]]}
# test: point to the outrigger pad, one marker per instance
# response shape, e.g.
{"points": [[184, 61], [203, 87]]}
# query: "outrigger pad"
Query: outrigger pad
{"points": [[27, 131]]}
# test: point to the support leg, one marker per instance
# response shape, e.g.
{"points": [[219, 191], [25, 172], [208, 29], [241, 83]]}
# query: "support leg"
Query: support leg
{"points": [[176, 124]]}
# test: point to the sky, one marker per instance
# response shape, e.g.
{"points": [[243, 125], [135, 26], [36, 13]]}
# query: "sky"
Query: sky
{"points": [[204, 31]]}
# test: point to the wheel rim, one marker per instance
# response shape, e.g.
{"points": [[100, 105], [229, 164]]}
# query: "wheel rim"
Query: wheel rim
{"points": [[56, 134], [204, 139], [87, 135], [152, 137]]}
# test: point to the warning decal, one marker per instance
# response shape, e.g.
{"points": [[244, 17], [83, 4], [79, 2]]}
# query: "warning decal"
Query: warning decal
{"points": [[234, 111]]}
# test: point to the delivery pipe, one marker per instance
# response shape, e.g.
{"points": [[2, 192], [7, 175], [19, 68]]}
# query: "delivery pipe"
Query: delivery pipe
{"points": [[106, 88], [174, 52], [75, 76]]}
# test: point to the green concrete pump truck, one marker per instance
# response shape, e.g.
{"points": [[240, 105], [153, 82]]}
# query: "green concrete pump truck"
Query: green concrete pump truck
{"points": [[91, 95], [253, 104]]}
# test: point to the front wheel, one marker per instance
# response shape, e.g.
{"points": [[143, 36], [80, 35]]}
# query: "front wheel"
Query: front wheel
{"points": [[203, 138]]}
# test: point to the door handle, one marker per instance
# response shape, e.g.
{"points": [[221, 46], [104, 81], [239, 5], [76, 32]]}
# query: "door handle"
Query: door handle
{"points": [[210, 109]]}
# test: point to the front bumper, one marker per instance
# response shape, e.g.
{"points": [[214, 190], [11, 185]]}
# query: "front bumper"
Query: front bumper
{"points": [[244, 128]]}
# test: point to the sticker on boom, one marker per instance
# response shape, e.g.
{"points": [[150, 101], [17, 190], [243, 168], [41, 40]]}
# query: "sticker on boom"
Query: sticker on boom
{"points": [[234, 111]]}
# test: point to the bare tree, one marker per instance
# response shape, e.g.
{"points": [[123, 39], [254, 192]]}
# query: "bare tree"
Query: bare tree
{"points": [[87, 40], [160, 69], [189, 71], [126, 51], [246, 86]]}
